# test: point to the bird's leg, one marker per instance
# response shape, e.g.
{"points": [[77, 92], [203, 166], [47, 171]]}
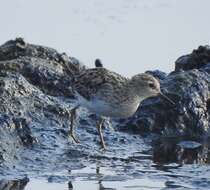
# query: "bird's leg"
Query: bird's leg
{"points": [[99, 126], [72, 118]]}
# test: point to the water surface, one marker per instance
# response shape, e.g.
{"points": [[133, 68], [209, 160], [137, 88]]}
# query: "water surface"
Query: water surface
{"points": [[162, 164]]}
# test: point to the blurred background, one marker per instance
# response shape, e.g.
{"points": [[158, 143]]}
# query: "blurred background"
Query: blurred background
{"points": [[129, 36]]}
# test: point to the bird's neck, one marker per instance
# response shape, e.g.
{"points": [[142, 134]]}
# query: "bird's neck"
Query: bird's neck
{"points": [[130, 91], [134, 90]]}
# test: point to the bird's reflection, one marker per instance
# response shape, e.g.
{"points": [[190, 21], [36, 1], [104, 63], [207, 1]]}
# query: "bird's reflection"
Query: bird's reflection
{"points": [[100, 182], [164, 153], [70, 186], [101, 186]]}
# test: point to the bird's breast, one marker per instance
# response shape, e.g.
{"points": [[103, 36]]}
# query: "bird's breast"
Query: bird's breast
{"points": [[110, 109]]}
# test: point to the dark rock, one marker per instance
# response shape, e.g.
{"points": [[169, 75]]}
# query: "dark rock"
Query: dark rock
{"points": [[29, 75], [14, 133], [16, 184], [157, 74], [17, 48], [196, 60], [44, 67], [167, 150], [24, 132]]}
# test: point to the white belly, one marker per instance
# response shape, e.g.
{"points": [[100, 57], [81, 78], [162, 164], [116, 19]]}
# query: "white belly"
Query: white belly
{"points": [[106, 109]]}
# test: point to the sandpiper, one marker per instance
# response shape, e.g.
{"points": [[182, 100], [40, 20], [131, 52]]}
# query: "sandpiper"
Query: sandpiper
{"points": [[111, 95]]}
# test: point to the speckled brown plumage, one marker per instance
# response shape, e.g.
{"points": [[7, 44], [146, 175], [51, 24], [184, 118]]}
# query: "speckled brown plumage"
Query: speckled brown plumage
{"points": [[91, 81]]}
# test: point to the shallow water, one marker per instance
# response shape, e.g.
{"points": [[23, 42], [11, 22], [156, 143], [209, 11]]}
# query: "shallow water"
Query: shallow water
{"points": [[91, 178], [162, 164]]}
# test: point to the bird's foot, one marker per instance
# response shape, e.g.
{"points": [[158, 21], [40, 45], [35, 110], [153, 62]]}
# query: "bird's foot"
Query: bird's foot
{"points": [[103, 146], [75, 139], [103, 149]]}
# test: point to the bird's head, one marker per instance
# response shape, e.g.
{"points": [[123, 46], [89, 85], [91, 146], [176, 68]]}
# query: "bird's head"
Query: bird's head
{"points": [[145, 86]]}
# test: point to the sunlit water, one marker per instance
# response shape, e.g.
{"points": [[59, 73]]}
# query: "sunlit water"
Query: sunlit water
{"points": [[168, 165], [89, 179]]}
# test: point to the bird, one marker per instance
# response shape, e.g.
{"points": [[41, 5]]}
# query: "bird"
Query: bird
{"points": [[111, 95]]}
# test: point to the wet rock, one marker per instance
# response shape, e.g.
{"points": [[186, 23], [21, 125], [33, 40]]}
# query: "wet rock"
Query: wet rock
{"points": [[196, 60], [42, 66], [15, 133], [17, 48], [157, 74], [17, 184], [34, 82], [175, 150], [24, 131]]}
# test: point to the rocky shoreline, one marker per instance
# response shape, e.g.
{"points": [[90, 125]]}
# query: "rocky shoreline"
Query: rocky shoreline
{"points": [[36, 96]]}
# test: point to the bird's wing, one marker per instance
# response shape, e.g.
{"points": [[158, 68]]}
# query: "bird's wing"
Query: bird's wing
{"points": [[93, 81]]}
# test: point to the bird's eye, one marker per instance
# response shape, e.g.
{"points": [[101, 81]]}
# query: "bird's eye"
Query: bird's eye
{"points": [[151, 85]]}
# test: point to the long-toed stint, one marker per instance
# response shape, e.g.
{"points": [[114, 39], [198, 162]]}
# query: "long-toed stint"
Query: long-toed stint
{"points": [[109, 94]]}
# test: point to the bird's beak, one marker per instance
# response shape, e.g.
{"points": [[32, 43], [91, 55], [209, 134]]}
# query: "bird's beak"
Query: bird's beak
{"points": [[167, 98]]}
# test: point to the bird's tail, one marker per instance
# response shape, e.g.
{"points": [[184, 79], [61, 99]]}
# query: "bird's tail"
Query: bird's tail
{"points": [[98, 63]]}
